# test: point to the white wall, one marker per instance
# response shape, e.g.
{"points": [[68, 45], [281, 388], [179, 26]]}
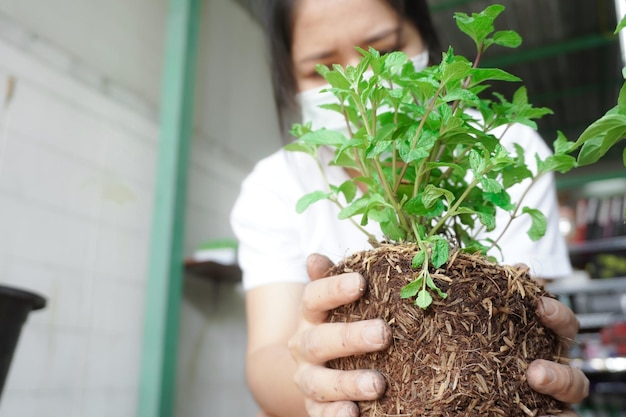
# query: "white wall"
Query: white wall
{"points": [[121, 39], [76, 195], [76, 190]]}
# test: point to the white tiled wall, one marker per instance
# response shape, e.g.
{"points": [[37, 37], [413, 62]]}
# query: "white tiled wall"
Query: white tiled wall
{"points": [[76, 192], [77, 169], [122, 39]]}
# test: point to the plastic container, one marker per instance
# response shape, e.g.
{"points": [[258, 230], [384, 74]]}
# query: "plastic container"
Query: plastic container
{"points": [[15, 305]]}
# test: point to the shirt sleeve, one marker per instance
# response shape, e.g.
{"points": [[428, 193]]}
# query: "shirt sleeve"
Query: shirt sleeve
{"points": [[265, 224]]}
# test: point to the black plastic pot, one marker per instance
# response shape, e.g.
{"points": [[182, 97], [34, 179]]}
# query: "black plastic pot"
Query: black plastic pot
{"points": [[15, 305]]}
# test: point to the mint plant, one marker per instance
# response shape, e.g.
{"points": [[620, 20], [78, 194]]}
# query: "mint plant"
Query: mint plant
{"points": [[604, 133], [423, 147]]}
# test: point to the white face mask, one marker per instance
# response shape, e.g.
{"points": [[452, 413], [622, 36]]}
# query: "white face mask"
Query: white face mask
{"points": [[310, 100]]}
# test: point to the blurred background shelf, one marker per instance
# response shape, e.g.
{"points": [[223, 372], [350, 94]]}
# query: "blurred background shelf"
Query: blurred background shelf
{"points": [[213, 271], [613, 244], [614, 365]]}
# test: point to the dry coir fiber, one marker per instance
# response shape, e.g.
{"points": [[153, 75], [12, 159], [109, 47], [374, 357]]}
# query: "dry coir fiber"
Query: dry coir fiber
{"points": [[465, 355]]}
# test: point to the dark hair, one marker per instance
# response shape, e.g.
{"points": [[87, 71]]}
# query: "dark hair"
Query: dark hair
{"points": [[278, 23]]}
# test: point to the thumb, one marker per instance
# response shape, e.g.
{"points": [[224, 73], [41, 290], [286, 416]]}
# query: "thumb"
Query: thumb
{"points": [[318, 266]]}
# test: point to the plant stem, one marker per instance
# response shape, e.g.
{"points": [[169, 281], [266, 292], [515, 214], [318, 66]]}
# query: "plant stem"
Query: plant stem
{"points": [[370, 237], [453, 209], [388, 191], [518, 204], [429, 110]]}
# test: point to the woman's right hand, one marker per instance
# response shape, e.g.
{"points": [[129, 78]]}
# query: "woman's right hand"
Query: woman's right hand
{"points": [[331, 392]]}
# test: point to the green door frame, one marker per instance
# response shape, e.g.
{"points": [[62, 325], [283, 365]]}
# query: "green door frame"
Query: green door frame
{"points": [[164, 286]]}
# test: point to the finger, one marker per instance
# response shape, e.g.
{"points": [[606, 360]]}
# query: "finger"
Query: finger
{"points": [[328, 341], [331, 409], [556, 316], [317, 266], [323, 384], [562, 382], [326, 294]]}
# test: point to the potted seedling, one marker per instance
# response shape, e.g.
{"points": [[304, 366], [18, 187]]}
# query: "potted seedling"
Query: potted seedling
{"points": [[427, 166]]}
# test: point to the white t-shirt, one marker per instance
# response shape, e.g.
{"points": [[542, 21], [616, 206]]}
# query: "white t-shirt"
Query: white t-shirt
{"points": [[274, 240]]}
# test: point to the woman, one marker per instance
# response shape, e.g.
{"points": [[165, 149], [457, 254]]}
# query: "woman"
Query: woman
{"points": [[287, 302]]}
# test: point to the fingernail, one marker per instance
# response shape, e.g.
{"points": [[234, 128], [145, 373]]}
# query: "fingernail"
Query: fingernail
{"points": [[548, 376], [348, 410], [350, 284], [547, 307], [367, 385], [373, 334]]}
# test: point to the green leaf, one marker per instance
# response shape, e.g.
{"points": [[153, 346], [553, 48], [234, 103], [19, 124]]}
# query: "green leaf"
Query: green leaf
{"points": [[364, 64], [348, 189], [487, 219], [562, 145], [424, 299], [456, 168], [479, 25], [490, 185], [501, 199], [432, 194], [477, 163], [299, 129], [538, 226], [324, 137], [423, 88], [455, 71], [412, 288], [348, 147], [305, 201], [596, 147], [480, 75], [523, 112], [355, 208], [393, 62], [302, 147], [558, 163], [507, 38], [418, 153], [515, 174], [415, 206], [611, 120], [344, 159], [382, 214], [418, 259], [363, 205], [335, 77], [393, 231], [461, 94], [475, 247], [430, 283], [441, 251]]}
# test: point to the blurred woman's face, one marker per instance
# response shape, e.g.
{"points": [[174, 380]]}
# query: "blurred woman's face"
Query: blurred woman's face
{"points": [[326, 32]]}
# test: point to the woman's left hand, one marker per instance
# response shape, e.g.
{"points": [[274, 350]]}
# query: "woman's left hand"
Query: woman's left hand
{"points": [[562, 382]]}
